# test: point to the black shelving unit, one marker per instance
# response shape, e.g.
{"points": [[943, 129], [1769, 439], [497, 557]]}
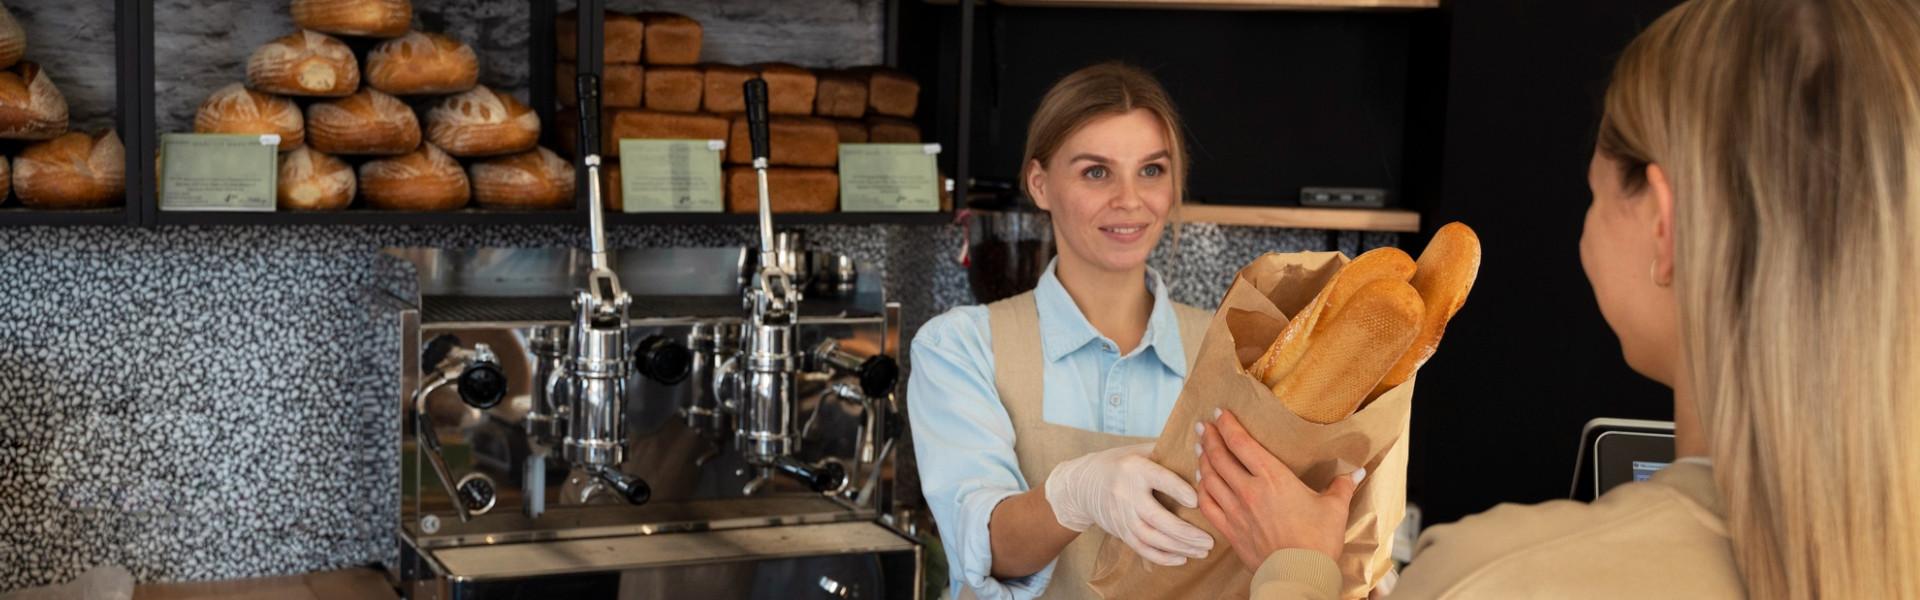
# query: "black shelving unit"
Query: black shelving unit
{"points": [[782, 219]]}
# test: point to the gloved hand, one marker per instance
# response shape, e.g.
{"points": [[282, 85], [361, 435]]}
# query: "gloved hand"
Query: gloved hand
{"points": [[1114, 489]]}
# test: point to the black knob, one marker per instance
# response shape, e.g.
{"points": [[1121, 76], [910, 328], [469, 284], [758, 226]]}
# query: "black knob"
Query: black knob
{"points": [[483, 385], [755, 92], [829, 477], [437, 350], [878, 375], [663, 359]]}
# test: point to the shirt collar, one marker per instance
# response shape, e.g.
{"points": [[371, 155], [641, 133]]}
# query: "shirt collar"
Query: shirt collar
{"points": [[1065, 330]]}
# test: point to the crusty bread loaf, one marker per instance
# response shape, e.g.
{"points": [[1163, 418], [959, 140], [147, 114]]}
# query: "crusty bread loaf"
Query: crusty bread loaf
{"points": [[790, 89], [1352, 350], [797, 142], [851, 132], [671, 39], [621, 37], [422, 63], [73, 171], [236, 109], [891, 92], [31, 108], [723, 92], [891, 130], [788, 190], [655, 125], [532, 180], [623, 86], [13, 41], [304, 63], [482, 122], [840, 94], [425, 179], [673, 89], [366, 123], [314, 181], [1295, 340], [1445, 275], [365, 18], [610, 198]]}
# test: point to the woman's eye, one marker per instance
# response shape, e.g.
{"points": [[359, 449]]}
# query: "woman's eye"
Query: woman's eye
{"points": [[1151, 171], [1096, 173]]}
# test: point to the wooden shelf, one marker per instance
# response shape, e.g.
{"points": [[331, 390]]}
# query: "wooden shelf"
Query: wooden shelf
{"points": [[1227, 4], [370, 217], [1298, 217], [780, 220]]}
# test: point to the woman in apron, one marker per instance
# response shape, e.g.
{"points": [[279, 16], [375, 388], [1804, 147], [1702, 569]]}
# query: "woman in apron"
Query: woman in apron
{"points": [[1032, 417]]}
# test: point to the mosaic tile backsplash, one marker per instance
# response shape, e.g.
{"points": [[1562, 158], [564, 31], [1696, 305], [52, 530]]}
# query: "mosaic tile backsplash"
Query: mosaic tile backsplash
{"points": [[214, 403]]}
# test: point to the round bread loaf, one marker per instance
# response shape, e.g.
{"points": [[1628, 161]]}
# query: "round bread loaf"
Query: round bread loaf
{"points": [[365, 18], [482, 122], [73, 171], [366, 123], [537, 179], [425, 179], [306, 63], [236, 109], [422, 63], [311, 180], [13, 39], [31, 108]]}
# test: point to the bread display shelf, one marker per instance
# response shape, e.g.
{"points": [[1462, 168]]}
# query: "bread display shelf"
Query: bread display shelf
{"points": [[781, 220], [1298, 217], [1224, 4], [373, 217]]}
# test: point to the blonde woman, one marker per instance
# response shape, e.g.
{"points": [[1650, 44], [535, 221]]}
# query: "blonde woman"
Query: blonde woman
{"points": [[1754, 240], [1032, 417]]}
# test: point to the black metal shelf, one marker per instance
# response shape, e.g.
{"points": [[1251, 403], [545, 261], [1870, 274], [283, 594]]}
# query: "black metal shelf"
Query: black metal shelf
{"points": [[371, 217], [16, 216], [844, 218]]}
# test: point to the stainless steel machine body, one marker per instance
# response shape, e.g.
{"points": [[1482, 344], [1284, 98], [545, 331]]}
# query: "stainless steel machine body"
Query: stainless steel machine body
{"points": [[715, 524]]}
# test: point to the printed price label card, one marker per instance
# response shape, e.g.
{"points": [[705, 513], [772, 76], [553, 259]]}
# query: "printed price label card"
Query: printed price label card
{"points": [[889, 178], [219, 172], [671, 176]]}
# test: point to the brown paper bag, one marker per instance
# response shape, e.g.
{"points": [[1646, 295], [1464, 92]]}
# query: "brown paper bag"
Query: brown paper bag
{"points": [[1254, 311]]}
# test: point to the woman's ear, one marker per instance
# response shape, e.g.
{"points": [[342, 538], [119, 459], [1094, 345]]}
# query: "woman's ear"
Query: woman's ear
{"points": [[1660, 190], [1037, 184]]}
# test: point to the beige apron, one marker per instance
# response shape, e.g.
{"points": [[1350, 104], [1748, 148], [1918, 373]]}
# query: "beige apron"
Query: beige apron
{"points": [[1018, 374]]}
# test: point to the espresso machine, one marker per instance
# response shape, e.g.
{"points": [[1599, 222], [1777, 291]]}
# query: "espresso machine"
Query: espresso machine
{"points": [[669, 422]]}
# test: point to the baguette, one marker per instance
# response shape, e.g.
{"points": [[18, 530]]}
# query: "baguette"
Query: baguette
{"points": [[1294, 341], [1352, 350], [1447, 269]]}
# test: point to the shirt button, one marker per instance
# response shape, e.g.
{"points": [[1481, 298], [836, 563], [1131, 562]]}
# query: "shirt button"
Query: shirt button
{"points": [[1106, 346], [1114, 400]]}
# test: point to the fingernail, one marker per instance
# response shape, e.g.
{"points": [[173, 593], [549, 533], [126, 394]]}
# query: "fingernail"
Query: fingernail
{"points": [[1359, 475], [1199, 428], [1216, 414], [1196, 476], [1197, 450]]}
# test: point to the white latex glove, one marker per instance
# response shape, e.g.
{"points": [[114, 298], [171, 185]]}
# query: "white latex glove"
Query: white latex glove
{"points": [[1114, 489]]}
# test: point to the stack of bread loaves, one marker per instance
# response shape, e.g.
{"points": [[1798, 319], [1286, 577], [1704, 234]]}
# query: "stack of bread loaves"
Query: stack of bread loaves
{"points": [[60, 169], [330, 107], [655, 87]]}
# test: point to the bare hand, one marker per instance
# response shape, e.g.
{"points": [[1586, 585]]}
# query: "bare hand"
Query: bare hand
{"points": [[1259, 505]]}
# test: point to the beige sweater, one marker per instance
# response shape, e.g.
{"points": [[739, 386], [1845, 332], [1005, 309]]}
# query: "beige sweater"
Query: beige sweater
{"points": [[1663, 538]]}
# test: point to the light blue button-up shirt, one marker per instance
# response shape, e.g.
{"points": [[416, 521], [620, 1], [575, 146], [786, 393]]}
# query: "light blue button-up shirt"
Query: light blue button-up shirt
{"points": [[963, 438]]}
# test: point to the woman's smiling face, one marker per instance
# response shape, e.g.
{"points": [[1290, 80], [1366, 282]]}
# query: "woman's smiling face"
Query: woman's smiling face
{"points": [[1109, 188]]}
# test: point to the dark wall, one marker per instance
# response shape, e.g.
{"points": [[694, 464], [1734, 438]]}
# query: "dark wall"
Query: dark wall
{"points": [[1273, 101], [1529, 360]]}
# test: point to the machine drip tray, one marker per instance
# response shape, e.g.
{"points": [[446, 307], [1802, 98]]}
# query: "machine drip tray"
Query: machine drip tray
{"points": [[579, 522], [514, 561]]}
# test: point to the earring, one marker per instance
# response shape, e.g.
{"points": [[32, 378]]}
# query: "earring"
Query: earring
{"points": [[1653, 273]]}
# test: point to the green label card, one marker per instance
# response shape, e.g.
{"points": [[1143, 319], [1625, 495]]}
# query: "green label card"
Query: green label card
{"points": [[889, 178], [218, 172], [670, 175]]}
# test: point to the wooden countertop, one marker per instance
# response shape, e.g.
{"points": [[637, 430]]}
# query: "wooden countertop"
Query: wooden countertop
{"points": [[323, 585]]}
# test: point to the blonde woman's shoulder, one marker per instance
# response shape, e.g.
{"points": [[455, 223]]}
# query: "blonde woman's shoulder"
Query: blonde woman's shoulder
{"points": [[1654, 539]]}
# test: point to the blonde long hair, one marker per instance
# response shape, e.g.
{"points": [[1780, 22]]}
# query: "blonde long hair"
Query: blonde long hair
{"points": [[1790, 130]]}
